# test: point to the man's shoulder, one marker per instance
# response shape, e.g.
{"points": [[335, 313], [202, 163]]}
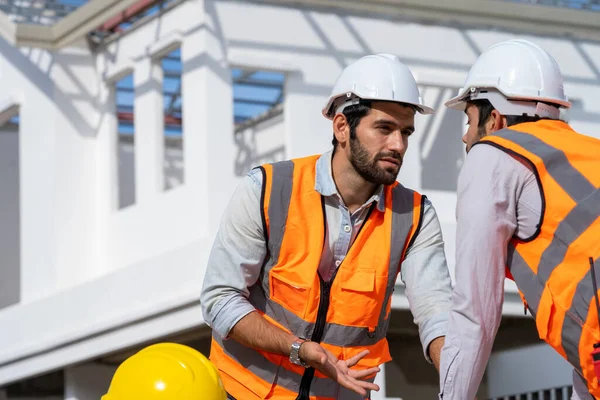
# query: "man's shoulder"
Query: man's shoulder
{"points": [[483, 157], [412, 197], [400, 190]]}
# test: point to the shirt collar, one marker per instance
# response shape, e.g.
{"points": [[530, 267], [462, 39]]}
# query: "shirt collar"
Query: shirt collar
{"points": [[325, 185]]}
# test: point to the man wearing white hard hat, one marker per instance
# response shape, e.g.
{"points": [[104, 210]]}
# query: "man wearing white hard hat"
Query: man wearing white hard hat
{"points": [[529, 210], [300, 279]]}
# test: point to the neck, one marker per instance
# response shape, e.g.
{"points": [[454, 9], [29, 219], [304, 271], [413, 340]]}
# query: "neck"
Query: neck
{"points": [[355, 190]]}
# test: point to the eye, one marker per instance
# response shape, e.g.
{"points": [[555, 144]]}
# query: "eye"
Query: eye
{"points": [[407, 133], [384, 128]]}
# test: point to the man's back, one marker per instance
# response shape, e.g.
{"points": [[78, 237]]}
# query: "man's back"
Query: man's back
{"points": [[552, 266], [499, 199]]}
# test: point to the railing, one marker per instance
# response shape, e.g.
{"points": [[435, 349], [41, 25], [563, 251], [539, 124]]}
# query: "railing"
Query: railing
{"points": [[560, 393]]}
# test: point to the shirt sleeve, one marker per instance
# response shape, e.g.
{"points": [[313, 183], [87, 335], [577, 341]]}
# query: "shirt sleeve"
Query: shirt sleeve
{"points": [[236, 258], [488, 189], [427, 280]]}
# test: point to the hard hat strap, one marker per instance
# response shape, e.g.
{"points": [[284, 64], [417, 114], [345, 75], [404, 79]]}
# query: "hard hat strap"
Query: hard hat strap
{"points": [[343, 102]]}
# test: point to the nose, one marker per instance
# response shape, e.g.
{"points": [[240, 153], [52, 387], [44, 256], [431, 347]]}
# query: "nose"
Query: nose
{"points": [[398, 142]]}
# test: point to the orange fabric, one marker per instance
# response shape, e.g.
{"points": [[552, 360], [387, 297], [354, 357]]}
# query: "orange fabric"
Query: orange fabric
{"points": [[582, 152], [237, 381], [357, 293]]}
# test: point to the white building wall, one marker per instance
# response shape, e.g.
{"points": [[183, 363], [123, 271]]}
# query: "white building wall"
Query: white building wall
{"points": [[258, 144], [518, 371], [95, 278], [23, 80], [76, 128]]}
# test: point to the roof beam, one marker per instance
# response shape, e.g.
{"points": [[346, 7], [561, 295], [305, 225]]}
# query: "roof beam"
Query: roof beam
{"points": [[86, 19], [124, 15], [531, 18], [69, 29]]}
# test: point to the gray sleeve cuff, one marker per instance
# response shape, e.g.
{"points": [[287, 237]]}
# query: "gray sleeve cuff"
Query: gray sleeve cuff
{"points": [[431, 329], [228, 312]]}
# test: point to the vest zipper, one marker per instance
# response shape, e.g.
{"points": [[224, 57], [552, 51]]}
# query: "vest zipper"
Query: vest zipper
{"points": [[325, 289], [317, 335]]}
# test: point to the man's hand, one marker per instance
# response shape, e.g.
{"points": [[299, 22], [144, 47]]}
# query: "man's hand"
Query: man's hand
{"points": [[435, 350], [324, 361]]}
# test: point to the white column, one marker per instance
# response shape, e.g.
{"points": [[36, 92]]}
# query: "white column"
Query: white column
{"points": [[107, 172], [149, 129], [380, 380], [209, 147], [37, 167], [88, 381], [306, 132]]}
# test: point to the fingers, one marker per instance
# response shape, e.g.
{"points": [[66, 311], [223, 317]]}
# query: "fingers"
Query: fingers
{"points": [[338, 370], [359, 387], [353, 385], [363, 373], [368, 386], [353, 360]]}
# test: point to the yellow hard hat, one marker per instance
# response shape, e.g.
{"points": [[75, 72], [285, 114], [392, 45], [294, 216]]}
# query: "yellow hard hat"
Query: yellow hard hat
{"points": [[166, 371]]}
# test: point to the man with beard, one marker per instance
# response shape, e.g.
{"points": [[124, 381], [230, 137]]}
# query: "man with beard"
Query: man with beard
{"points": [[528, 209], [300, 278]]}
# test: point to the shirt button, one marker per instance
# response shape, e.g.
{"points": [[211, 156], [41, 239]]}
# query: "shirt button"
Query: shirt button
{"points": [[337, 263], [347, 228]]}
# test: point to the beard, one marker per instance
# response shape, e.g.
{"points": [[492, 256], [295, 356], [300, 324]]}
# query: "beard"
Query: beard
{"points": [[481, 133], [368, 167]]}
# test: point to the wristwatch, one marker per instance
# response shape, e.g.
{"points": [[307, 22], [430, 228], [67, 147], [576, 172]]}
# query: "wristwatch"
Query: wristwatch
{"points": [[294, 353]]}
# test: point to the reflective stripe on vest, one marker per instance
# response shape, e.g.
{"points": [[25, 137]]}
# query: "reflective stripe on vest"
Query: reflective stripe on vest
{"points": [[552, 269], [288, 290]]}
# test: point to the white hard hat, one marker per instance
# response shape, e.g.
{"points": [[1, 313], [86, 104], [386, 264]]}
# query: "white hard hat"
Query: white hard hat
{"points": [[378, 77], [514, 76]]}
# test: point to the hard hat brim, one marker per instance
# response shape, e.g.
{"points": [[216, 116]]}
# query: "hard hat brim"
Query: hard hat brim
{"points": [[421, 108], [459, 102]]}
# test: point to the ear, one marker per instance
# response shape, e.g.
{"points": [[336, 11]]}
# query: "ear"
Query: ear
{"points": [[341, 129], [496, 122]]}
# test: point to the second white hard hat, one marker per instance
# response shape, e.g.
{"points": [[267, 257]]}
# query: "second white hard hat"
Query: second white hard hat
{"points": [[514, 75], [377, 77]]}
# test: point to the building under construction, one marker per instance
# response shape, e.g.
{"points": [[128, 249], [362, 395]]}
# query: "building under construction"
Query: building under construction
{"points": [[127, 124]]}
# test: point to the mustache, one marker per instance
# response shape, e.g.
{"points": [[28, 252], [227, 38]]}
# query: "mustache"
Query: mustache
{"points": [[395, 155]]}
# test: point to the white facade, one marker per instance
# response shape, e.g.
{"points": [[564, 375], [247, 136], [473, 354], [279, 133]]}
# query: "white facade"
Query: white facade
{"points": [[95, 279]]}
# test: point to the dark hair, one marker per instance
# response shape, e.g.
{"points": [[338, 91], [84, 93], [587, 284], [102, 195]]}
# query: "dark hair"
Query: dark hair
{"points": [[485, 109], [354, 114], [521, 119]]}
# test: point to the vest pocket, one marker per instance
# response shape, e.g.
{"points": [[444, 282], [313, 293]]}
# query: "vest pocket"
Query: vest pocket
{"points": [[360, 303], [246, 386], [291, 295]]}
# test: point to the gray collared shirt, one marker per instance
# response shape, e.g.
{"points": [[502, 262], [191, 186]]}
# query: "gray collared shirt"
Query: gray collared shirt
{"points": [[498, 197], [239, 250]]}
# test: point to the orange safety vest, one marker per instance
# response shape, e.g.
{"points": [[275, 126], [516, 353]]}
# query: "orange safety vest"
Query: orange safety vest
{"points": [[552, 269], [346, 315]]}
